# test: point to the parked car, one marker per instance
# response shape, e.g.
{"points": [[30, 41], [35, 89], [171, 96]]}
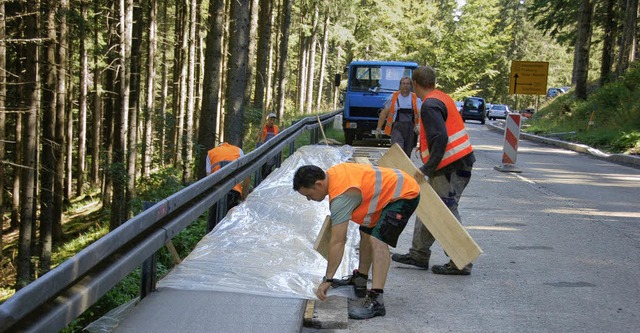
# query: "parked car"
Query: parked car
{"points": [[554, 92], [459, 105], [474, 108], [498, 111]]}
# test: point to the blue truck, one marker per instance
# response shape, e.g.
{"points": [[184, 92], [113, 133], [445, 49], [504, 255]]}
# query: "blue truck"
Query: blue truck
{"points": [[369, 85]]}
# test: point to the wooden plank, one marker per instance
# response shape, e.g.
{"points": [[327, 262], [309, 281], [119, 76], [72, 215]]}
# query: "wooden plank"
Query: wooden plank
{"points": [[362, 160], [322, 242], [443, 225]]}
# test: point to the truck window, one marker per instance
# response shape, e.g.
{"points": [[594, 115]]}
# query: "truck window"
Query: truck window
{"points": [[384, 78]]}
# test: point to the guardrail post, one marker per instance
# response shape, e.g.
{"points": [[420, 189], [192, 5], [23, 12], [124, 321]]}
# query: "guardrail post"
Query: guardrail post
{"points": [[148, 275]]}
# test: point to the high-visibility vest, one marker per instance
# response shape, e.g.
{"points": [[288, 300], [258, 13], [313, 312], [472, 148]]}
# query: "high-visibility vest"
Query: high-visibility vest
{"points": [[268, 133], [222, 155], [458, 144], [378, 187], [393, 109]]}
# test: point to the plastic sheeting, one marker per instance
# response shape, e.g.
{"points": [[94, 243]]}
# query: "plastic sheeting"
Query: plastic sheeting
{"points": [[264, 246]]}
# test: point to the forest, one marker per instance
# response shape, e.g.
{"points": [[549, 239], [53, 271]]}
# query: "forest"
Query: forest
{"points": [[97, 95]]}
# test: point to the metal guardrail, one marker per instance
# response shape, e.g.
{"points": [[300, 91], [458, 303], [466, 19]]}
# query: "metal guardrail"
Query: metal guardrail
{"points": [[55, 299]]}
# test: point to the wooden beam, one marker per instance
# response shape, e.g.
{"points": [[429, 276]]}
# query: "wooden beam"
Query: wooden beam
{"points": [[434, 214]]}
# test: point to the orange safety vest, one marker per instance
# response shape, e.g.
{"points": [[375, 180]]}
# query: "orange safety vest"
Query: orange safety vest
{"points": [[458, 145], [378, 186], [222, 155], [269, 132], [392, 111]]}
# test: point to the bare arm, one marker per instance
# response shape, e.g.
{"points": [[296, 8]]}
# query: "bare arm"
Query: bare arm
{"points": [[382, 117], [336, 250]]}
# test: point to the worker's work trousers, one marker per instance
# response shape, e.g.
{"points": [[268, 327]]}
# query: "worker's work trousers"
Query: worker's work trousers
{"points": [[402, 134], [449, 187]]}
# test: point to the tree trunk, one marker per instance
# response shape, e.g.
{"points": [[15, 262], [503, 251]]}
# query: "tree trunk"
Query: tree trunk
{"points": [[61, 130], [251, 59], [3, 96], [31, 97], [629, 39], [68, 167], [48, 138], [284, 45], [175, 88], [118, 202], [262, 60], [182, 87], [583, 43], [112, 106], [608, 41], [211, 86], [164, 94], [134, 105], [237, 72], [17, 175], [147, 149], [302, 72], [323, 61], [312, 60], [191, 95], [82, 114], [96, 116]]}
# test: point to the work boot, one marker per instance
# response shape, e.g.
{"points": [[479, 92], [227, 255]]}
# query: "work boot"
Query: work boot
{"points": [[372, 306], [407, 259], [451, 269], [357, 280]]}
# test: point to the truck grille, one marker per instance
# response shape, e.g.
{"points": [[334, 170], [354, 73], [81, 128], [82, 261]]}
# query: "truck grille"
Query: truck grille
{"points": [[363, 112]]}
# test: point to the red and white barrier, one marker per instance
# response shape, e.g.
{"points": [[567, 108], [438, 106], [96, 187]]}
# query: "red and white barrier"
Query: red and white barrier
{"points": [[511, 140]]}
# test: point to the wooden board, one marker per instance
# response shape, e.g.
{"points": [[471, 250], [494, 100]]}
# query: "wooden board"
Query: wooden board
{"points": [[324, 236], [434, 214]]}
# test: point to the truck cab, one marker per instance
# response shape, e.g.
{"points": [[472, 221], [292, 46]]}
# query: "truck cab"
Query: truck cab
{"points": [[369, 85]]}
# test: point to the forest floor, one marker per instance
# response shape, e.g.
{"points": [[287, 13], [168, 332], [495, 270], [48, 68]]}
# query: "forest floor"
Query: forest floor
{"points": [[85, 218]]}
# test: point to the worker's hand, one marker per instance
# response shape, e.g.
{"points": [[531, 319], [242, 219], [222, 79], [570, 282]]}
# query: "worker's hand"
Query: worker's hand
{"points": [[322, 290], [378, 133], [416, 129]]}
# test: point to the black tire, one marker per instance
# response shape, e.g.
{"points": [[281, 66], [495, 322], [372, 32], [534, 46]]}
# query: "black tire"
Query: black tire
{"points": [[349, 136]]}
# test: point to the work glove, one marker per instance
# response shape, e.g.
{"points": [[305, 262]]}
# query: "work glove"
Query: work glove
{"points": [[378, 133], [416, 129]]}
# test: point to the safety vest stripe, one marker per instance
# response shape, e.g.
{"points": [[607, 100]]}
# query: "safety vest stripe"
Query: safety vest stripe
{"points": [[399, 184], [455, 136], [377, 189]]}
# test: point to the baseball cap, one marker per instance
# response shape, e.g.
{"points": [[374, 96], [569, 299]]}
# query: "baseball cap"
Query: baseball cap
{"points": [[271, 115]]}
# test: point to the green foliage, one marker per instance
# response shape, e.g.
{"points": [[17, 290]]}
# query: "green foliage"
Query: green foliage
{"points": [[614, 109]]}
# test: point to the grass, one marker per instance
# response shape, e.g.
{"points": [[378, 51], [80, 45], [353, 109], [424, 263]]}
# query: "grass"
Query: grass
{"points": [[608, 120]]}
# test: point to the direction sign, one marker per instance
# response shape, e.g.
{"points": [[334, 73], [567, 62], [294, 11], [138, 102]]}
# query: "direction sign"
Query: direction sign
{"points": [[528, 77]]}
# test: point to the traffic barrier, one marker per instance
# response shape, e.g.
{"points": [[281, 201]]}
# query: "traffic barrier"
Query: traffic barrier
{"points": [[511, 140]]}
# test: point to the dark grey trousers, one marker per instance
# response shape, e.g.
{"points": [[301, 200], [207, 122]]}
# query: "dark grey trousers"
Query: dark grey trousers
{"points": [[449, 187]]}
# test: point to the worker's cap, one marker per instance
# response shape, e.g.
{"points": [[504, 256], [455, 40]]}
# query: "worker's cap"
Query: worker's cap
{"points": [[271, 115]]}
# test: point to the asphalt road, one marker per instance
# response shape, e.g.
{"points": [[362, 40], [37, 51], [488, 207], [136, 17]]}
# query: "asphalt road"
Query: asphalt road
{"points": [[561, 246]]}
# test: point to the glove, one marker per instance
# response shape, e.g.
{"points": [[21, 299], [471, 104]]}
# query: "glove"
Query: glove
{"points": [[416, 129], [378, 133]]}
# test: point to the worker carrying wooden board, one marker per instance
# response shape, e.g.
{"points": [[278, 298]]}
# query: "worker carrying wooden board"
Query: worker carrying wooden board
{"points": [[447, 157]]}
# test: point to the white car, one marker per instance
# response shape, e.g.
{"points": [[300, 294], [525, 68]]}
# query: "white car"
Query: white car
{"points": [[498, 111]]}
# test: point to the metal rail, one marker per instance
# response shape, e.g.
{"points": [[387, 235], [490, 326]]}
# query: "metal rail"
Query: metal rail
{"points": [[54, 300]]}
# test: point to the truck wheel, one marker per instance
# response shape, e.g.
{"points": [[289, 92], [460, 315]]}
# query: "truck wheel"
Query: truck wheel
{"points": [[349, 136]]}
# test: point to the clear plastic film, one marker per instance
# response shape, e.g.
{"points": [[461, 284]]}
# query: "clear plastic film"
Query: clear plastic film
{"points": [[264, 246]]}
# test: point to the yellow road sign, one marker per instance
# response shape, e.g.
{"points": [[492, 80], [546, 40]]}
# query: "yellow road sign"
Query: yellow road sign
{"points": [[528, 77]]}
